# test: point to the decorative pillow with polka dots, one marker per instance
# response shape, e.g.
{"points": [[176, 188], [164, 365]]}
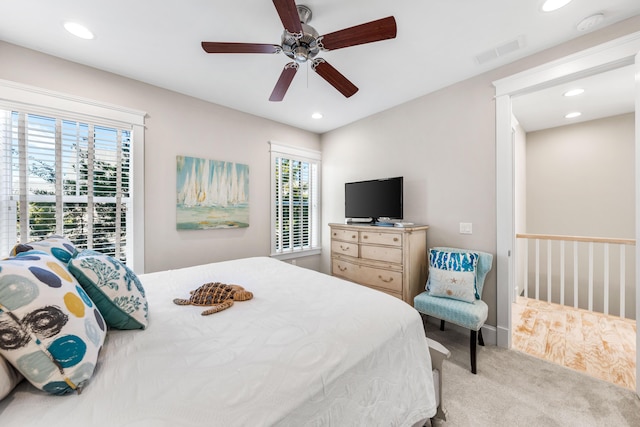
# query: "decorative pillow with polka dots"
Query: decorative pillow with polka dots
{"points": [[58, 246], [50, 330], [114, 288]]}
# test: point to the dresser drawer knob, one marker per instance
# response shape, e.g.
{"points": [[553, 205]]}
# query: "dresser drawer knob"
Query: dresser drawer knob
{"points": [[341, 268], [365, 237], [389, 280], [395, 239], [335, 234], [344, 248]]}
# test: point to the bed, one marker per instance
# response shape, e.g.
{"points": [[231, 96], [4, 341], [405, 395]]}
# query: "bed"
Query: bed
{"points": [[308, 349]]}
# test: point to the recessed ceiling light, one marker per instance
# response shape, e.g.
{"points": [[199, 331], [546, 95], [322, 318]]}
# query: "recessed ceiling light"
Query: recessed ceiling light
{"points": [[573, 115], [551, 5], [78, 30], [316, 116], [574, 92]]}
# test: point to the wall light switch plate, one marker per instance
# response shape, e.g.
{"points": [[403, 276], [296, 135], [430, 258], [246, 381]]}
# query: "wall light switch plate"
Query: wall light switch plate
{"points": [[466, 228]]}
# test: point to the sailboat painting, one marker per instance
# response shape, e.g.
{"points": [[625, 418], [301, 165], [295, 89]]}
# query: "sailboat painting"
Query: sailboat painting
{"points": [[211, 194]]}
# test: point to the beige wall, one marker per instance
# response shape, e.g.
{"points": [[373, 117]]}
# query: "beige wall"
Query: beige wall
{"points": [[580, 179], [444, 145], [176, 125]]}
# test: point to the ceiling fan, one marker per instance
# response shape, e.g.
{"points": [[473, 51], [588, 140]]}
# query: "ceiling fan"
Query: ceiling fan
{"points": [[301, 42]]}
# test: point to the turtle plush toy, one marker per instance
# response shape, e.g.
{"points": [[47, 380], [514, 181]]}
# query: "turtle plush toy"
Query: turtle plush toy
{"points": [[217, 295]]}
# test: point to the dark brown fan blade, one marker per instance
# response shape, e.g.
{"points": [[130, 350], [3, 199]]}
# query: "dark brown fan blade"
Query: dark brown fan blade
{"points": [[287, 75], [373, 31], [288, 15], [334, 77], [215, 47]]}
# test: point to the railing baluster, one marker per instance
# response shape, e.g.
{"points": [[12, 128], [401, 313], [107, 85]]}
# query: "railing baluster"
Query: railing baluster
{"points": [[623, 277], [562, 272], [526, 268], [548, 270], [537, 269], [606, 278], [590, 276], [575, 274]]}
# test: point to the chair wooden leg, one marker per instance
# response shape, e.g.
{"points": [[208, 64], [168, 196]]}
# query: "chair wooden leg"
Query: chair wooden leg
{"points": [[442, 325], [480, 340], [424, 322], [472, 351]]}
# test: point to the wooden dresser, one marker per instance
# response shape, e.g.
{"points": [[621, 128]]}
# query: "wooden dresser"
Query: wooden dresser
{"points": [[389, 259]]}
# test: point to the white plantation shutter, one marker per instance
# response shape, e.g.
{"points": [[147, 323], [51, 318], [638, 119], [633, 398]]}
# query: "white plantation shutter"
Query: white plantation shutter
{"points": [[70, 175], [295, 195]]}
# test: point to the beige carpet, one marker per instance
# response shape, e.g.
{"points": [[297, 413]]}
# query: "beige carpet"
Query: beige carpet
{"points": [[515, 389]]}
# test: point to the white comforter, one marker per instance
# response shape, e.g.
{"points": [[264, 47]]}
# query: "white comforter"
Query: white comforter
{"points": [[308, 349]]}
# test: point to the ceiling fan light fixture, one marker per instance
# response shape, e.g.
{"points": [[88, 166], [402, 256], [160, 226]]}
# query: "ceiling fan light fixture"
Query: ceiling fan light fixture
{"points": [[551, 5], [78, 30], [317, 116], [573, 115], [301, 48]]}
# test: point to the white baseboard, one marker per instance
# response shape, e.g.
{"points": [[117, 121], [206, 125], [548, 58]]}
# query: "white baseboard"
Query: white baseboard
{"points": [[504, 337], [489, 333]]}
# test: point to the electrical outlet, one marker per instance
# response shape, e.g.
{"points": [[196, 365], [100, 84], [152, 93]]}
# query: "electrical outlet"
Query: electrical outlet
{"points": [[466, 228]]}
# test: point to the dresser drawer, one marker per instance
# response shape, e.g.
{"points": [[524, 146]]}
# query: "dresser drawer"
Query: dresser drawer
{"points": [[345, 235], [381, 253], [345, 269], [370, 276], [344, 248], [391, 239], [384, 279]]}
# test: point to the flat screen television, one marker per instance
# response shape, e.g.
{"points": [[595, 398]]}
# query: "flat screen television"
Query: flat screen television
{"points": [[374, 199]]}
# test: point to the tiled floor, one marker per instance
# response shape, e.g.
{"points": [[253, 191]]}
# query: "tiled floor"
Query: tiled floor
{"points": [[599, 345]]}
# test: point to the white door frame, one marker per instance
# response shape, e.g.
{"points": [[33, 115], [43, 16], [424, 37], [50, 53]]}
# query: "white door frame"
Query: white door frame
{"points": [[616, 53]]}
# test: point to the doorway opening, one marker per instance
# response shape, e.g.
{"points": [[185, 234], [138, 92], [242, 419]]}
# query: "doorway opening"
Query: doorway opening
{"points": [[609, 56]]}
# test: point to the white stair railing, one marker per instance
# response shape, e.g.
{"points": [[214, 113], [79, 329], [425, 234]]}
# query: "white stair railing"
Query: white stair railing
{"points": [[593, 278]]}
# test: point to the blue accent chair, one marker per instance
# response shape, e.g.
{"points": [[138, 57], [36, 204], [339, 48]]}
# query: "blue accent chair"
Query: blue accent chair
{"points": [[468, 315]]}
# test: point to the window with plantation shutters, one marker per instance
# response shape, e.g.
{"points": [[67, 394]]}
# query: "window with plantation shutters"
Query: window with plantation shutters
{"points": [[295, 190], [67, 175]]}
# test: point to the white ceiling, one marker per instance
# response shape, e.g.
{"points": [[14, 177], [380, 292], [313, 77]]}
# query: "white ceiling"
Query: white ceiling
{"points": [[158, 42], [605, 94]]}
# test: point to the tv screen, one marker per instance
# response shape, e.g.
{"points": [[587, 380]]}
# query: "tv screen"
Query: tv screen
{"points": [[378, 198]]}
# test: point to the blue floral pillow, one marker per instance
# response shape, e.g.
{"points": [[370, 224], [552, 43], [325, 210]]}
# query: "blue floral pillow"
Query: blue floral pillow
{"points": [[58, 246], [50, 330], [114, 288], [454, 262]]}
